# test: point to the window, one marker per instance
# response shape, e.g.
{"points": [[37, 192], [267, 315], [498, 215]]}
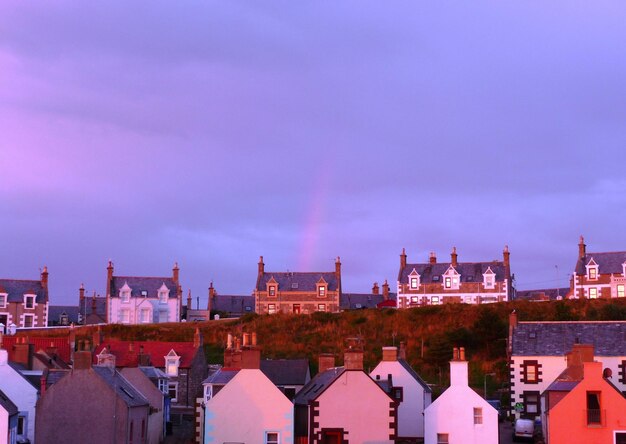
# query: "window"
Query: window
{"points": [[321, 291], [21, 425], [531, 403], [171, 364], [434, 300], [271, 308], [271, 437], [620, 290], [321, 307], [28, 320], [442, 438], [3, 300], [172, 391], [594, 413], [448, 282], [163, 385], [414, 300], [593, 273], [478, 415], [64, 319], [398, 394], [272, 290], [29, 301], [163, 297], [125, 316], [530, 372], [144, 315], [130, 432], [622, 372], [414, 282], [436, 278], [125, 295], [593, 293], [620, 437], [296, 308]]}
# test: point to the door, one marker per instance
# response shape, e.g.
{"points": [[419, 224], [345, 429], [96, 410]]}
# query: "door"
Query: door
{"points": [[332, 436], [296, 308], [3, 320]]}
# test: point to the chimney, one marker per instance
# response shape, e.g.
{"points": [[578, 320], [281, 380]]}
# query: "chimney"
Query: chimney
{"points": [[390, 353], [385, 290], [402, 351], [325, 361], [433, 258], [189, 307], [97, 337], [72, 342], [579, 354], [109, 278], [453, 258], [246, 339], [44, 277], [254, 338], [353, 359], [144, 358], [506, 257], [93, 303], [23, 353], [375, 288], [338, 273], [261, 266], [175, 273], [212, 295], [198, 340], [403, 259], [229, 341], [82, 360], [81, 294], [458, 368], [512, 327], [43, 382], [582, 248], [251, 358]]}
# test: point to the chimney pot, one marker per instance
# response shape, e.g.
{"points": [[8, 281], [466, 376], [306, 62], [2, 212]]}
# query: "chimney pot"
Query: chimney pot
{"points": [[390, 353], [326, 361]]}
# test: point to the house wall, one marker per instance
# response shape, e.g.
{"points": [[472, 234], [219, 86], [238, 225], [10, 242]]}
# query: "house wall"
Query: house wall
{"points": [[247, 407], [4, 426], [568, 421], [142, 383], [356, 404], [20, 391], [135, 305], [284, 301], [469, 293], [606, 283], [411, 409], [15, 312], [453, 413]]}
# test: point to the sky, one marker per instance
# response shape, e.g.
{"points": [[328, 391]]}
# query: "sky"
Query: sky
{"points": [[211, 133]]}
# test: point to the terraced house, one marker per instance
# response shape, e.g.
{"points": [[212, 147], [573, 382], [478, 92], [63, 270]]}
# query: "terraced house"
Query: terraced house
{"points": [[599, 275], [433, 283], [297, 292], [24, 302]]}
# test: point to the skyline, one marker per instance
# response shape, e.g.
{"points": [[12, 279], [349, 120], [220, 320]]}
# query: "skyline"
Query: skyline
{"points": [[212, 134]]}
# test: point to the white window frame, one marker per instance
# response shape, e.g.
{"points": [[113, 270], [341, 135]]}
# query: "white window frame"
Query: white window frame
{"points": [[24, 417], [414, 280], [273, 441], [322, 290], [595, 293], [32, 322], [144, 316], [163, 294], [271, 308], [592, 266], [162, 385], [478, 415], [489, 279], [32, 298], [172, 363], [272, 289], [125, 316], [321, 307], [435, 300], [125, 292], [621, 287], [3, 298], [174, 385]]}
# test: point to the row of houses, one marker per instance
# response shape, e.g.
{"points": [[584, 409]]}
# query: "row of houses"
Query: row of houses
{"points": [[140, 300]]}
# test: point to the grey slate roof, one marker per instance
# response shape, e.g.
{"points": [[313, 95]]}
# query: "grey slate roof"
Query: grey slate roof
{"points": [[355, 301], [124, 389], [17, 288], [317, 385], [153, 372], [557, 338], [607, 262], [298, 281], [551, 293], [286, 371], [7, 404], [414, 374], [87, 308], [55, 312], [138, 284], [469, 271], [233, 304], [221, 376]]}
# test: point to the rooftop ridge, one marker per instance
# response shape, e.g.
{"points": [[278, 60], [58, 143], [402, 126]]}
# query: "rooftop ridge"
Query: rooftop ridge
{"points": [[605, 252], [143, 277], [297, 272], [458, 263], [571, 322]]}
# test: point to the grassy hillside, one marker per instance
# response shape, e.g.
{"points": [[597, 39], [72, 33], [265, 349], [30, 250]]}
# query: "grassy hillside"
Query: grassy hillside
{"points": [[429, 332]]}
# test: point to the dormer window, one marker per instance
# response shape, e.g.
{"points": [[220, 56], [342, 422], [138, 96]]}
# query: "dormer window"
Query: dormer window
{"points": [[163, 293], [172, 362], [271, 291], [592, 270], [125, 293], [489, 279], [451, 279], [321, 291], [29, 301], [414, 280], [3, 300]]}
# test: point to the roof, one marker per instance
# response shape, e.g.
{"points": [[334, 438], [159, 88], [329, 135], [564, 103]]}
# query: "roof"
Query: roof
{"points": [[127, 352], [607, 262], [17, 288], [233, 303], [317, 385], [557, 338], [54, 376], [469, 271], [298, 281], [286, 371], [153, 372], [415, 376], [7, 404], [138, 284], [55, 312], [355, 301], [40, 343], [124, 389], [89, 303], [221, 376], [543, 294]]}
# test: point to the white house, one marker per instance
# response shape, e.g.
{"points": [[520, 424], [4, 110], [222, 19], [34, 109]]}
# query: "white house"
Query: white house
{"points": [[460, 415], [538, 352], [143, 300], [23, 395], [251, 409], [8, 420], [408, 389]]}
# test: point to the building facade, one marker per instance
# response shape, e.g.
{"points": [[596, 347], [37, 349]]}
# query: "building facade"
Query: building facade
{"points": [[599, 275], [24, 302], [297, 292], [434, 283], [143, 300]]}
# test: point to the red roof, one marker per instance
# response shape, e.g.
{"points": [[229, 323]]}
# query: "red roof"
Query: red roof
{"points": [[61, 344], [126, 352], [388, 303]]}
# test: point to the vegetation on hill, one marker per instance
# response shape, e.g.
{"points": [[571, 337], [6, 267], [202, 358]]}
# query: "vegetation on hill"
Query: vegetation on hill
{"points": [[428, 332]]}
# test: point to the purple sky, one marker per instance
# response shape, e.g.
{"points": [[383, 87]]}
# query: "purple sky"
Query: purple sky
{"points": [[211, 133]]}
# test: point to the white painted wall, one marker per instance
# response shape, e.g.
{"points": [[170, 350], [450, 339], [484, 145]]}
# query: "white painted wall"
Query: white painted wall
{"points": [[453, 413], [20, 391], [247, 407], [135, 305], [411, 409], [355, 403], [4, 425]]}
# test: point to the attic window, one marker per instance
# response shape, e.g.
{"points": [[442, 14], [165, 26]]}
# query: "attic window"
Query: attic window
{"points": [[144, 293], [127, 393], [294, 285], [470, 279], [271, 290], [321, 291], [29, 301], [532, 335], [436, 278]]}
